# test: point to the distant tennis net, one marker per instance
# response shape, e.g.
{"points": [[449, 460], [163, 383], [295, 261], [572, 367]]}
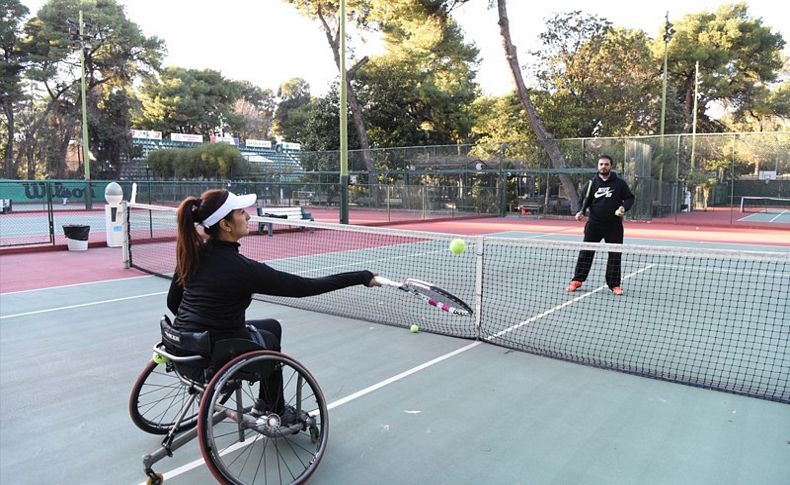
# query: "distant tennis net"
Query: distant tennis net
{"points": [[710, 318], [770, 205]]}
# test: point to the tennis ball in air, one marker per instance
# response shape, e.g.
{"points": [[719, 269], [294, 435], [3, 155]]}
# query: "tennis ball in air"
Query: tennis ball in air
{"points": [[415, 328], [457, 246], [159, 359]]}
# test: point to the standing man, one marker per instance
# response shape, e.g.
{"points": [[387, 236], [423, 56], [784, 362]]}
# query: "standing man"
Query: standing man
{"points": [[608, 198]]}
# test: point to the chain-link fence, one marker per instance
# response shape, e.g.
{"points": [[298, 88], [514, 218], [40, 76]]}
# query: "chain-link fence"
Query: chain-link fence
{"points": [[729, 178], [672, 176]]}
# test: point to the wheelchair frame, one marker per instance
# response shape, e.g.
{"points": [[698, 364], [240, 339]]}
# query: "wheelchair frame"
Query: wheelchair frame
{"points": [[231, 431]]}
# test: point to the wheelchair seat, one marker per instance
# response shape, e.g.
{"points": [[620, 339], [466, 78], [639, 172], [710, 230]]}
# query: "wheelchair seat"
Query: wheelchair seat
{"points": [[184, 343]]}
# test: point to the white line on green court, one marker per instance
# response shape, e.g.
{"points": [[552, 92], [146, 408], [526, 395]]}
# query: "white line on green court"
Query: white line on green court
{"points": [[558, 307], [356, 395], [778, 216], [196, 463], [36, 312]]}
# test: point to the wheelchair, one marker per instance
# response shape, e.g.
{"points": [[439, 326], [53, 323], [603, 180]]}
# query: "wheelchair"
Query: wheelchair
{"points": [[259, 415]]}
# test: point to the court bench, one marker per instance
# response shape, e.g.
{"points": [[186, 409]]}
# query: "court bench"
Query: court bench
{"points": [[293, 213], [530, 208]]}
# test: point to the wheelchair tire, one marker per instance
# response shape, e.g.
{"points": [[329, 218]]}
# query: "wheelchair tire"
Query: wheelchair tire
{"points": [[243, 446], [157, 398]]}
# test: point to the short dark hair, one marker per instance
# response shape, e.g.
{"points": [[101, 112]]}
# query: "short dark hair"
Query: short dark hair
{"points": [[608, 157]]}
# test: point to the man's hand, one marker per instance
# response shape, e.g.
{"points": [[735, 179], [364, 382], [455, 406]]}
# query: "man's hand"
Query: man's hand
{"points": [[579, 216]]}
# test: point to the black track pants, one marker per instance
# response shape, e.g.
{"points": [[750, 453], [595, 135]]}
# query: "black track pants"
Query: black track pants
{"points": [[593, 232]]}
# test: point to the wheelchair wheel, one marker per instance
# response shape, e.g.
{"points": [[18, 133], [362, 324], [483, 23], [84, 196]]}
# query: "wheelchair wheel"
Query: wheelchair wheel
{"points": [[242, 443], [158, 397]]}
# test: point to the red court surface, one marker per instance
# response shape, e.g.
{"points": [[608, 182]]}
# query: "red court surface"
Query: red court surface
{"points": [[44, 269], [50, 266]]}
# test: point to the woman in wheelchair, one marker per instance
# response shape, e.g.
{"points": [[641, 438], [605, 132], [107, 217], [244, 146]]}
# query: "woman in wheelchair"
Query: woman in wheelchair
{"points": [[258, 414], [213, 283]]}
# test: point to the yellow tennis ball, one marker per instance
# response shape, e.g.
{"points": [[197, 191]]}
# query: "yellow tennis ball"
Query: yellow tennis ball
{"points": [[159, 359], [457, 246], [415, 328], [619, 213]]}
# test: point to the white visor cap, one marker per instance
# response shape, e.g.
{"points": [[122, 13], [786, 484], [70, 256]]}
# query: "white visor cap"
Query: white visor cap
{"points": [[232, 203]]}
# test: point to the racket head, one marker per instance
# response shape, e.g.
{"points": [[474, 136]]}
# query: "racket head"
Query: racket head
{"points": [[437, 296]]}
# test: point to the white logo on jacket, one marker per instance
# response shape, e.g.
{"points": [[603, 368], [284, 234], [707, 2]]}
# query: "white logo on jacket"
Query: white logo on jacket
{"points": [[603, 192]]}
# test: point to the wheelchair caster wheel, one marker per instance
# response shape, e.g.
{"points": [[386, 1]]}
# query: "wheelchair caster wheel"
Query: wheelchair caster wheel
{"points": [[314, 434], [156, 481]]}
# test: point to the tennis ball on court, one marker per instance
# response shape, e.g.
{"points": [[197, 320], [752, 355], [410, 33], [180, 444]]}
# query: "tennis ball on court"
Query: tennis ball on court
{"points": [[619, 213], [415, 328], [457, 246], [159, 359]]}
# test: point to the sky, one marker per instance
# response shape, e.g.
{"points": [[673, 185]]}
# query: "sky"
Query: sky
{"points": [[267, 42]]}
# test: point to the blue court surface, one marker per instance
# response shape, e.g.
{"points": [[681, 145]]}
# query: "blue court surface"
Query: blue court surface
{"points": [[404, 408]]}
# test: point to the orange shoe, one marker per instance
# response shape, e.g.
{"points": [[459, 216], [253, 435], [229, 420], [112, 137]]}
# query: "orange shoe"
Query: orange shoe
{"points": [[575, 285], [617, 291]]}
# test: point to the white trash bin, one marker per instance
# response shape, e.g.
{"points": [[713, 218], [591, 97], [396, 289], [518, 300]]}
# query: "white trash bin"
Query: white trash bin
{"points": [[77, 236]]}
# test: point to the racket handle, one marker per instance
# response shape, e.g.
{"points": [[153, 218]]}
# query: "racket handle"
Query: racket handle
{"points": [[386, 282]]}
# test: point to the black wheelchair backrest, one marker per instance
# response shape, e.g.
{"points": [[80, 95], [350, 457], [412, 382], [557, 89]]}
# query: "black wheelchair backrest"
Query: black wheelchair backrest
{"points": [[189, 342]]}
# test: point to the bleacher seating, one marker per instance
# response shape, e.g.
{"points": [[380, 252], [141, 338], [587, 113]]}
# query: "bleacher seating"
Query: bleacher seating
{"points": [[273, 160]]}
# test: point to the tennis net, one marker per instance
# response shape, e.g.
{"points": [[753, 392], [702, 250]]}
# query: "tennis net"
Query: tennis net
{"points": [[711, 318], [765, 204]]}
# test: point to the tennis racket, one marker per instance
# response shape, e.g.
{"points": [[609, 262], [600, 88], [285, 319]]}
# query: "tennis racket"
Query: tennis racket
{"points": [[432, 294]]}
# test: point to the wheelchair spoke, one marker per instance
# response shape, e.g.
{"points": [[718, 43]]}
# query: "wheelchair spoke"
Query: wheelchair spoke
{"points": [[274, 448]]}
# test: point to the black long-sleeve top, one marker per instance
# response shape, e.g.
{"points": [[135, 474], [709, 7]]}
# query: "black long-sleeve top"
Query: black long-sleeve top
{"points": [[219, 291], [604, 197]]}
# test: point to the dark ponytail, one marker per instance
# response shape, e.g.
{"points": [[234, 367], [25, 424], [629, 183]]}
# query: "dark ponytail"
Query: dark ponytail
{"points": [[193, 211]]}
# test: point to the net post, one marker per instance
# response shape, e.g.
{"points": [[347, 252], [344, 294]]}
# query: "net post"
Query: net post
{"points": [[127, 260], [479, 242]]}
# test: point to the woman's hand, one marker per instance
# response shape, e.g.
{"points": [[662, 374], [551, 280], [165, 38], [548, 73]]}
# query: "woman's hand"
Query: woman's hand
{"points": [[373, 281]]}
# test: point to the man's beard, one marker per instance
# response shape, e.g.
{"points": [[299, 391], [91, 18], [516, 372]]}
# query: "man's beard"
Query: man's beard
{"points": [[604, 171]]}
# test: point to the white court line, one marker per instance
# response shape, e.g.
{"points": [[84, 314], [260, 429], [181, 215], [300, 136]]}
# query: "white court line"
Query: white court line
{"points": [[76, 284], [558, 307], [199, 462], [81, 305], [778, 215]]}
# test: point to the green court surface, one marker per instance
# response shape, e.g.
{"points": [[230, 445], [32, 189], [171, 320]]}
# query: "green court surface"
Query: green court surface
{"points": [[778, 217], [485, 414]]}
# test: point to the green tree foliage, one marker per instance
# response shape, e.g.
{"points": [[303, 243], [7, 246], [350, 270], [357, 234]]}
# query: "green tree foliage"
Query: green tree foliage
{"points": [[738, 57], [207, 161], [293, 111], [322, 128], [12, 63], [420, 92], [769, 111], [601, 80], [116, 54], [190, 101], [255, 107], [110, 125]]}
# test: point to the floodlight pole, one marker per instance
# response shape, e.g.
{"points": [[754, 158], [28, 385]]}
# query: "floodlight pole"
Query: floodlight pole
{"points": [[85, 151], [343, 119]]}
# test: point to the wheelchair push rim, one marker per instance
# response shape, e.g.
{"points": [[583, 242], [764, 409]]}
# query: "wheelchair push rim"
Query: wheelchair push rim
{"points": [[242, 443]]}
